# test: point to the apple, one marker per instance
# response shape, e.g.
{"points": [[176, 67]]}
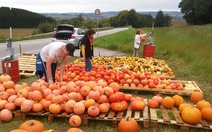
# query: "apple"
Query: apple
{"points": [[144, 82]]}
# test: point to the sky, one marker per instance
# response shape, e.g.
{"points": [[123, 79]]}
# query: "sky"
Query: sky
{"points": [[89, 6]]}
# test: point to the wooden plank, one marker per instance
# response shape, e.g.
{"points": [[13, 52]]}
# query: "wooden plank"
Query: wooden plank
{"points": [[120, 115], [153, 114], [111, 114], [177, 116], [136, 115], [129, 112], [165, 114], [204, 123], [145, 111]]}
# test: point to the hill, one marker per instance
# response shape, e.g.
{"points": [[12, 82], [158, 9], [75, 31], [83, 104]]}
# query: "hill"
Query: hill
{"points": [[60, 16], [19, 18]]}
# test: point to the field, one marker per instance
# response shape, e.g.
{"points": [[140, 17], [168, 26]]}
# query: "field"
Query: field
{"points": [[186, 49]]}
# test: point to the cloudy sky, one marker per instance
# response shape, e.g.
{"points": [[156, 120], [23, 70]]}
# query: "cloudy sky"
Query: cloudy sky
{"points": [[88, 6]]}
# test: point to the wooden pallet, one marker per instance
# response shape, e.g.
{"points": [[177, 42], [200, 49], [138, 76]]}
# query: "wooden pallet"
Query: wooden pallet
{"points": [[167, 91], [115, 117], [27, 64], [173, 117]]}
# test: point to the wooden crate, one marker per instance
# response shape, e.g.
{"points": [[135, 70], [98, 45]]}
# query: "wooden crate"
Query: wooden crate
{"points": [[167, 91], [172, 116], [27, 64]]}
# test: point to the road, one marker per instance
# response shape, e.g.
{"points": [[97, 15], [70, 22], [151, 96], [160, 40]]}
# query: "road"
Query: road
{"points": [[34, 46]]}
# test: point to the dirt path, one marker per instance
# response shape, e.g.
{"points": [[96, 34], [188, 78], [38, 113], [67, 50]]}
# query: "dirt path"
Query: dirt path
{"points": [[102, 52]]}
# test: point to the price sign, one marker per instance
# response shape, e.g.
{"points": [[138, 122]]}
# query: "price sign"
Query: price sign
{"points": [[97, 11]]}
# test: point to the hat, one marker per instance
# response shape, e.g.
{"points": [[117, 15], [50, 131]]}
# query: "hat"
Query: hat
{"points": [[70, 48], [138, 31]]}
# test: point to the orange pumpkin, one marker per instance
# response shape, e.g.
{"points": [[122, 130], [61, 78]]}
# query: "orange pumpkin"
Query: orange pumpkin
{"points": [[137, 105], [152, 103], [79, 108], [69, 106], [119, 106], [55, 108], [89, 102], [5, 77], [75, 121], [32, 126], [74, 130], [103, 108], [168, 102], [196, 97], [207, 113], [26, 105], [191, 115], [37, 107], [94, 94], [184, 105], [6, 115], [8, 84], [203, 104], [93, 111], [178, 100], [128, 125]]}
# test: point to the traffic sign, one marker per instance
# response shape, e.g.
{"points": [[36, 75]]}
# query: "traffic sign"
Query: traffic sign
{"points": [[97, 11]]}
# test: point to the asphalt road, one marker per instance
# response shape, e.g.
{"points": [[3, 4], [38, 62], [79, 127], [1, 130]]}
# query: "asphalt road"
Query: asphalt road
{"points": [[34, 46]]}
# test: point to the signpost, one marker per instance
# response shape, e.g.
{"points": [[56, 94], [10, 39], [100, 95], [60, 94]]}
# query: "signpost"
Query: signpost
{"points": [[97, 12]]}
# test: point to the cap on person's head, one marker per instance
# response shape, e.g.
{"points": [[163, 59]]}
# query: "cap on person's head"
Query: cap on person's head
{"points": [[138, 31], [70, 48]]}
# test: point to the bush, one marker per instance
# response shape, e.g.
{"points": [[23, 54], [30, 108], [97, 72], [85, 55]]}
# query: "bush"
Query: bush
{"points": [[45, 27]]}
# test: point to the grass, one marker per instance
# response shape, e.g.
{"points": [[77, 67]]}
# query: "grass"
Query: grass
{"points": [[186, 49]]}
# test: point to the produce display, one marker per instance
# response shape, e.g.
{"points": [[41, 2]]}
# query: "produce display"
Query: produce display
{"points": [[93, 97], [135, 64]]}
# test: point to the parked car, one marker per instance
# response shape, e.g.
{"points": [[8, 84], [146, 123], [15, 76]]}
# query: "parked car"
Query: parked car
{"points": [[68, 34]]}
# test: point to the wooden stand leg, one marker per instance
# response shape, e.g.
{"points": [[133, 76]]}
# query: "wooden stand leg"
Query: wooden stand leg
{"points": [[50, 118]]}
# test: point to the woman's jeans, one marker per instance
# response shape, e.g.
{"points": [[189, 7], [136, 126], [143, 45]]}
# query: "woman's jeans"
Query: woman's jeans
{"points": [[88, 65]]}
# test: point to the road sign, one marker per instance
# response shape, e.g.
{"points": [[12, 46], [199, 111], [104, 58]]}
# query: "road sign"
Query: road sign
{"points": [[97, 11]]}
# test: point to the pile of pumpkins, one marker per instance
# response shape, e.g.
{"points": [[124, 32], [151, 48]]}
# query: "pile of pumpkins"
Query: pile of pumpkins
{"points": [[125, 78], [93, 97], [135, 64]]}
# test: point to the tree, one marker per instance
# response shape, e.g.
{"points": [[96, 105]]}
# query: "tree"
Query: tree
{"points": [[197, 11], [160, 19], [132, 18]]}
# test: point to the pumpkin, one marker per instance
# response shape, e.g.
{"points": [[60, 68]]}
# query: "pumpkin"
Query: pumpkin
{"points": [[178, 100], [119, 106], [94, 94], [4, 95], [207, 113], [158, 98], [137, 105], [74, 130], [108, 91], [184, 105], [36, 86], [55, 108], [2, 104], [152, 103], [168, 102], [5, 77], [128, 125], [32, 126], [37, 95], [10, 106], [103, 99], [100, 89], [79, 108], [127, 97], [37, 107], [196, 96], [117, 96], [26, 105], [103, 108], [85, 90], [57, 99], [69, 106], [8, 84], [6, 115], [89, 102], [203, 104], [191, 115], [114, 86], [75, 121], [93, 111]]}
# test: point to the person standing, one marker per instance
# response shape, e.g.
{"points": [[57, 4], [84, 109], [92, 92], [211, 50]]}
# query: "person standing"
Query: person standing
{"points": [[51, 54], [86, 49], [139, 39]]}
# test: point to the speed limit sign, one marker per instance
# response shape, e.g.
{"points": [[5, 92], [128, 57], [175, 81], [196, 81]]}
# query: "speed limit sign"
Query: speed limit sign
{"points": [[97, 11]]}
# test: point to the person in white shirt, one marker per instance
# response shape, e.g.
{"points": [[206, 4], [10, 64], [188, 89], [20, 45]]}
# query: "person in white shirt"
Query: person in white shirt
{"points": [[50, 54], [137, 42]]}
